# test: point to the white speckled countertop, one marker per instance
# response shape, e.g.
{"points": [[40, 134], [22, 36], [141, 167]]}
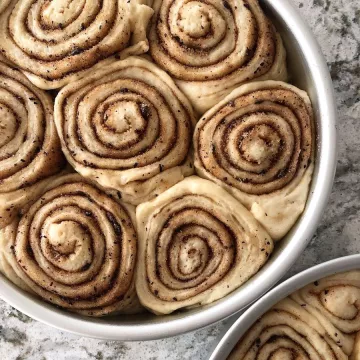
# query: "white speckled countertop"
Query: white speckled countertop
{"points": [[336, 24]]}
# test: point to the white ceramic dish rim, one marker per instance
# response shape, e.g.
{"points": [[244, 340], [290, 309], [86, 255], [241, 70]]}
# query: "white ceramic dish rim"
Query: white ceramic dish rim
{"points": [[247, 319], [257, 286]]}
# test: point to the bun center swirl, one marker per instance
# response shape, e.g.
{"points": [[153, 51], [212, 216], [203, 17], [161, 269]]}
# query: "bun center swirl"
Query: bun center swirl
{"points": [[211, 47], [197, 244], [193, 250], [56, 42], [257, 143], [335, 300], [69, 245], [208, 40], [76, 248], [126, 125]]}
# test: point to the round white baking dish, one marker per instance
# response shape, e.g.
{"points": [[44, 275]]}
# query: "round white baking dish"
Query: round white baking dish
{"points": [[309, 72]]}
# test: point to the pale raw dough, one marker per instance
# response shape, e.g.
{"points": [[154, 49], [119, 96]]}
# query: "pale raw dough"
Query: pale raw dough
{"points": [[5, 252], [212, 48], [29, 145], [356, 352], [276, 209], [66, 40], [128, 128], [4, 4], [287, 331], [196, 245], [320, 321], [335, 302], [83, 249]]}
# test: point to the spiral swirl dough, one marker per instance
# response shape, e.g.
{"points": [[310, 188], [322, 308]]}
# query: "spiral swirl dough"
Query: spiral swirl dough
{"points": [[30, 150], [56, 42], [335, 302], [258, 144], [287, 331], [127, 127], [196, 245], [211, 47], [76, 248]]}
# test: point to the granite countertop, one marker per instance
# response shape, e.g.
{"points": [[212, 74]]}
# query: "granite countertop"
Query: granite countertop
{"points": [[337, 28]]}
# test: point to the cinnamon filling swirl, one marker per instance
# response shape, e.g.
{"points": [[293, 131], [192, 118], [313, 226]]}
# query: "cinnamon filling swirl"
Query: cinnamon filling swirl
{"points": [[258, 144], [76, 248], [128, 128], [56, 42], [197, 244], [211, 47]]}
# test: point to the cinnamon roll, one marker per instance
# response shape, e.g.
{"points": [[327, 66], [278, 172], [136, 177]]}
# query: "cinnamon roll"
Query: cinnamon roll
{"points": [[76, 248], [196, 245], [29, 145], [258, 144], [335, 302], [56, 42], [127, 127], [211, 47], [320, 321], [287, 331]]}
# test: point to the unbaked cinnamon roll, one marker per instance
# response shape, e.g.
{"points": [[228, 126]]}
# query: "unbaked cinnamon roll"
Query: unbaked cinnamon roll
{"points": [[56, 42], [287, 331], [335, 302], [76, 248], [320, 321], [29, 145], [127, 127], [211, 47], [196, 245], [258, 144]]}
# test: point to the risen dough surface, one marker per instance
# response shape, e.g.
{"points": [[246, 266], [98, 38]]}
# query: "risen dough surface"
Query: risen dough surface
{"points": [[76, 248], [56, 42], [320, 321], [258, 144], [29, 145], [196, 245], [127, 127], [212, 47]]}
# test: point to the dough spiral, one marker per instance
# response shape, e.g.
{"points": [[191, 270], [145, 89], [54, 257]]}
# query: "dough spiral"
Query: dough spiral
{"points": [[29, 145], [196, 245], [76, 248], [287, 331], [127, 127], [335, 302], [211, 47], [320, 321], [258, 144], [56, 42]]}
